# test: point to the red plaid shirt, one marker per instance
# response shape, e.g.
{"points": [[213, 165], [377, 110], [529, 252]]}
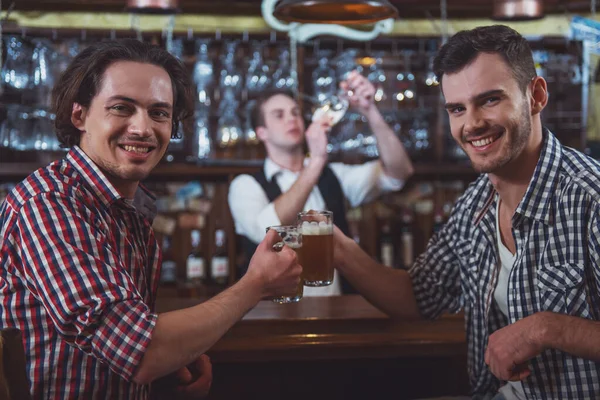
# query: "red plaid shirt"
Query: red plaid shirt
{"points": [[79, 267]]}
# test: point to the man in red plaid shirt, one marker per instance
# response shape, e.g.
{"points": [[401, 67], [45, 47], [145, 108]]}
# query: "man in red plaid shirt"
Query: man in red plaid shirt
{"points": [[79, 262]]}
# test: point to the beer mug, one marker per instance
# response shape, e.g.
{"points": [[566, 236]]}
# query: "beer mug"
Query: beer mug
{"points": [[291, 237], [316, 228]]}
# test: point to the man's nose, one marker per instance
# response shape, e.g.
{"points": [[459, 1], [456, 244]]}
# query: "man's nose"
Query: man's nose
{"points": [[140, 124], [474, 122]]}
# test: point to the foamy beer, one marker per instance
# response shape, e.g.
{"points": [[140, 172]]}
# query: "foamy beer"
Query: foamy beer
{"points": [[317, 247], [291, 237]]}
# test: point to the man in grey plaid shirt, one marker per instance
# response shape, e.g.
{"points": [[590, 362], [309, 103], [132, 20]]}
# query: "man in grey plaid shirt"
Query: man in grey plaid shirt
{"points": [[520, 253]]}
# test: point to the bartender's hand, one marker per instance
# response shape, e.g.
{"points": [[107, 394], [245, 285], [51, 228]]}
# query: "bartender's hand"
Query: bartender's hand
{"points": [[363, 92], [195, 379], [276, 267], [316, 139]]}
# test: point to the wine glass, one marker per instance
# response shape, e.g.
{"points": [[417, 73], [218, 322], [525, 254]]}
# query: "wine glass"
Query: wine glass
{"points": [[334, 107]]}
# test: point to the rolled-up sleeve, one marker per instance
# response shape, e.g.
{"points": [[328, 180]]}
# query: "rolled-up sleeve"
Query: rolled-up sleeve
{"points": [[365, 182], [435, 276], [250, 208], [68, 263]]}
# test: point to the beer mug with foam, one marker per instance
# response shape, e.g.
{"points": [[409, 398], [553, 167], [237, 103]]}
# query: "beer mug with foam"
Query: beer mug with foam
{"points": [[316, 228]]}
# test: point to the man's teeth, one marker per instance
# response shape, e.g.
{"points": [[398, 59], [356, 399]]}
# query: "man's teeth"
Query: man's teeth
{"points": [[482, 142], [136, 149]]}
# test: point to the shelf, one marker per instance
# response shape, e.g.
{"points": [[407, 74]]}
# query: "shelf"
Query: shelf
{"points": [[223, 169]]}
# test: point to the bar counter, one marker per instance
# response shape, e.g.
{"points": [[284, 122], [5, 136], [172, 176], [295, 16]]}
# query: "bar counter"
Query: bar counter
{"points": [[335, 348]]}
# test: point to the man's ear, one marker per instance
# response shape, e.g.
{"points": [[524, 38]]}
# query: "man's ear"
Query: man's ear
{"points": [[261, 133], [78, 115], [539, 95]]}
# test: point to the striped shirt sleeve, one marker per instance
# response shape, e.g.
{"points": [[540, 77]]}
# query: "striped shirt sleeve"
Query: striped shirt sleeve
{"points": [[435, 275], [70, 265]]}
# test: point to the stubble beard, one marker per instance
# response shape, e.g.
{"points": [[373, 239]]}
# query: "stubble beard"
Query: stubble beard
{"points": [[521, 133]]}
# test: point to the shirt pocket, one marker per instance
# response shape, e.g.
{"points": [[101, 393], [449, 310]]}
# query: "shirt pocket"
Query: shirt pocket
{"points": [[470, 268], [562, 289]]}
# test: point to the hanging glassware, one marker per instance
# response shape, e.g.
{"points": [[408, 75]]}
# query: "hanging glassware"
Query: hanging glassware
{"points": [[176, 48], [406, 85], [323, 77], [346, 62], [430, 78], [202, 146], [16, 70], [42, 75], [258, 76], [377, 76], [176, 150], [231, 78], [282, 77], [229, 132], [419, 137], [204, 73]]}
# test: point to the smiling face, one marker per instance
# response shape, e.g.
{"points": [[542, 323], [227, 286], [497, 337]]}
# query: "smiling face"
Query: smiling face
{"points": [[127, 127], [490, 117], [283, 128]]}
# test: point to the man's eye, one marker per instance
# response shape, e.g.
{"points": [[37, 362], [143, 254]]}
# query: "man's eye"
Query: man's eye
{"points": [[119, 108], [161, 114], [492, 100], [456, 110]]}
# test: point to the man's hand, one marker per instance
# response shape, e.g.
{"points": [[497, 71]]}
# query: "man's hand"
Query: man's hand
{"points": [[195, 379], [341, 245], [278, 270], [187, 383], [316, 138], [511, 347], [363, 92]]}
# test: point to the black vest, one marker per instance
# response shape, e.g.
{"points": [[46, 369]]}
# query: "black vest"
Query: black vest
{"points": [[332, 193]]}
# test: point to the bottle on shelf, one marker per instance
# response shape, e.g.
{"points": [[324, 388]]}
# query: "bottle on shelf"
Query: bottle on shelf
{"points": [[407, 239], [438, 220], [219, 267], [168, 272], [195, 265], [386, 251]]}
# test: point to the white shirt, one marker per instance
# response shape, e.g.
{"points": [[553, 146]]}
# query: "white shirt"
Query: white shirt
{"points": [[252, 212], [511, 390]]}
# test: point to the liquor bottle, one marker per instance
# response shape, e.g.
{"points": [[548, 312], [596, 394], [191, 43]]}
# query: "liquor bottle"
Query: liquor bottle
{"points": [[407, 239], [219, 268], [195, 266], [387, 246], [168, 272]]}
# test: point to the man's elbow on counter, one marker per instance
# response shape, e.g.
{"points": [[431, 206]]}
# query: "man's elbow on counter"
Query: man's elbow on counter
{"points": [[142, 376]]}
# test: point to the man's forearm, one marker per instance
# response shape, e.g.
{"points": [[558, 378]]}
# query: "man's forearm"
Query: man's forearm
{"points": [[181, 336], [577, 336], [290, 203], [393, 155], [388, 289]]}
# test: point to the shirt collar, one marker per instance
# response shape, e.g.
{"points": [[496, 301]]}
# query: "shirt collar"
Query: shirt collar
{"points": [[537, 202], [271, 168], [104, 190]]}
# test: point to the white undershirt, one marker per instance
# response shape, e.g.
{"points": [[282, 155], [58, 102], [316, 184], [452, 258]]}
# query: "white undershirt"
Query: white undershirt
{"points": [[511, 390]]}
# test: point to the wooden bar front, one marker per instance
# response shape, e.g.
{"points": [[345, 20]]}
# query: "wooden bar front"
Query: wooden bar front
{"points": [[335, 348]]}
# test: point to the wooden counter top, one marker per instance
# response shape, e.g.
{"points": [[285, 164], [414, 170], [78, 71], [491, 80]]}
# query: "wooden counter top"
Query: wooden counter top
{"points": [[329, 328]]}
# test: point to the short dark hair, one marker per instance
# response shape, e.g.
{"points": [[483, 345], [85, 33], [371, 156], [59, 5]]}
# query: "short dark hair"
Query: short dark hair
{"points": [[257, 117], [82, 80], [465, 46]]}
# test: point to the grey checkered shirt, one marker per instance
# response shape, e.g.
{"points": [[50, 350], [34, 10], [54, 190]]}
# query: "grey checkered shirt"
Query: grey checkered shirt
{"points": [[557, 233]]}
